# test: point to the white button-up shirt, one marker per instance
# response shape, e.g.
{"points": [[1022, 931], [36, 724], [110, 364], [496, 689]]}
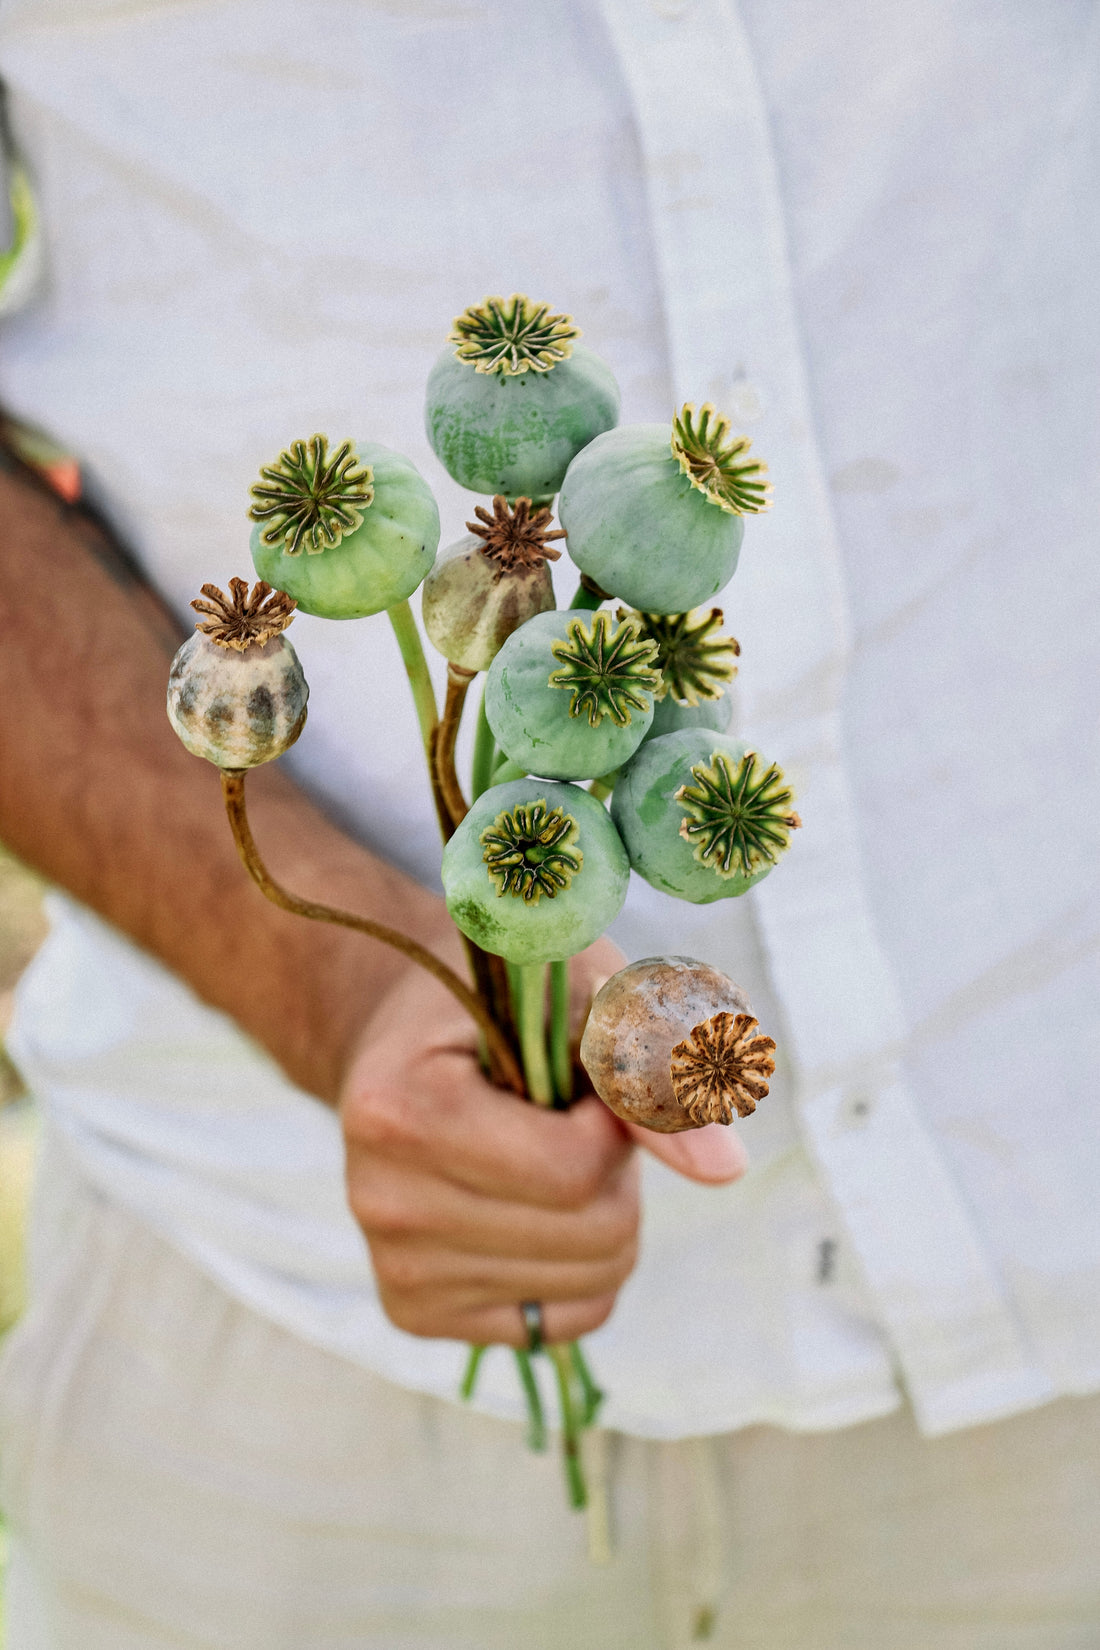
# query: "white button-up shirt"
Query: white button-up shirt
{"points": [[871, 235]]}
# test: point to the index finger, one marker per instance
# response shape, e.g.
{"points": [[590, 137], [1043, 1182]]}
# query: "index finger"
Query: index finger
{"points": [[453, 1122]]}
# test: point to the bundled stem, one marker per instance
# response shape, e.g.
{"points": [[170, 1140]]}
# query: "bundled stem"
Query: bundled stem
{"points": [[416, 669], [536, 1419], [561, 1055], [233, 792], [531, 1012], [571, 1424], [487, 971], [444, 736], [485, 755]]}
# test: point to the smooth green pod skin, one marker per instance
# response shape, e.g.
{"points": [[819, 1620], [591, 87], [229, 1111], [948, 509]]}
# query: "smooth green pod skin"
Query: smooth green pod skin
{"points": [[552, 929], [516, 434], [648, 816], [530, 719], [379, 564], [637, 526], [669, 716]]}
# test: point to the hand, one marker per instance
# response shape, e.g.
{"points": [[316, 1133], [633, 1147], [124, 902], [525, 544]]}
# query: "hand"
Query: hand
{"points": [[472, 1201]]}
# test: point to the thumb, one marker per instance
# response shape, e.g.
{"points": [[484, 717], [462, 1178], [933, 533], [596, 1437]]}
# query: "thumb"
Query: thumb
{"points": [[713, 1155]]}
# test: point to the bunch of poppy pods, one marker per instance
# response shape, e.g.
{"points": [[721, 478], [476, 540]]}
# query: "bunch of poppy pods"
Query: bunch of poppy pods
{"points": [[601, 744]]}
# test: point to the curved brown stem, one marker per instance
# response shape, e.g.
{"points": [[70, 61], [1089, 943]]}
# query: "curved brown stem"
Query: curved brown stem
{"points": [[501, 1053], [444, 735]]}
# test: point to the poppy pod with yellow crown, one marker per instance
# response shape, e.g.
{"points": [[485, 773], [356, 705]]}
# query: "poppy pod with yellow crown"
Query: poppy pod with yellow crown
{"points": [[515, 397], [655, 516], [347, 530]]}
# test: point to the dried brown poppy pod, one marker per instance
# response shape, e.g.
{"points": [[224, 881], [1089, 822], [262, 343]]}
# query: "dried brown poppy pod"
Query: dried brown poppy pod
{"points": [[236, 692], [671, 1044], [490, 582]]}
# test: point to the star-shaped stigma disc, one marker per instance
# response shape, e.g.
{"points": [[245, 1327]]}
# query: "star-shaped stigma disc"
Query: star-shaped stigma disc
{"points": [[609, 669], [311, 497], [722, 1068], [240, 620], [529, 851], [717, 463], [512, 336], [739, 817]]}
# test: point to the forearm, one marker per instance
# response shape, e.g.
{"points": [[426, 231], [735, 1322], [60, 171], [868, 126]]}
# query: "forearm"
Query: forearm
{"points": [[97, 793]]}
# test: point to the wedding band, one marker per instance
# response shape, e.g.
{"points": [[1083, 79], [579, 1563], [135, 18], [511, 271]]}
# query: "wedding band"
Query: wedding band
{"points": [[532, 1318]]}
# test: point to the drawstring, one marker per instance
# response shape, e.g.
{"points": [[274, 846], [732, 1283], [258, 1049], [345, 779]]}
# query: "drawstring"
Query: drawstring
{"points": [[595, 1454], [710, 1545], [687, 1540]]}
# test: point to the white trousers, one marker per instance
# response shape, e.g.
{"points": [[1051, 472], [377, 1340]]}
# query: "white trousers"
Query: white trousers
{"points": [[180, 1474]]}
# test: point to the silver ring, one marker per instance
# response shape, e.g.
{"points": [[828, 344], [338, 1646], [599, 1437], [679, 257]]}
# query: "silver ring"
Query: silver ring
{"points": [[532, 1319]]}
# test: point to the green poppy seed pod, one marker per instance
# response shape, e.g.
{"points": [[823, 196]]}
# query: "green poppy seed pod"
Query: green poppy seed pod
{"points": [[655, 517], [514, 398], [535, 872], [669, 716], [672, 1044], [236, 692], [702, 816], [346, 532], [570, 694], [489, 583]]}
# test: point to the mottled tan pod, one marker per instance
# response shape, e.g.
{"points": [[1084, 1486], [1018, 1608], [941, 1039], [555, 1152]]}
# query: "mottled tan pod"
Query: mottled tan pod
{"points": [[639, 1017], [237, 708], [471, 605]]}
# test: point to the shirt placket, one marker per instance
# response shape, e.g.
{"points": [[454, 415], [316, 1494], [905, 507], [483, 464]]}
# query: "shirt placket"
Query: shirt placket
{"points": [[733, 336]]}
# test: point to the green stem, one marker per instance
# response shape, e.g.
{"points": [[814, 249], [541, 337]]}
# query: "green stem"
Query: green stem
{"points": [[531, 1012], [469, 1379], [593, 1395], [602, 788], [507, 770], [570, 1425], [589, 595], [416, 668], [561, 1060], [536, 1420], [485, 755]]}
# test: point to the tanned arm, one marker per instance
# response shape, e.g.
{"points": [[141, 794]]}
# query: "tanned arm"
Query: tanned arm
{"points": [[97, 793]]}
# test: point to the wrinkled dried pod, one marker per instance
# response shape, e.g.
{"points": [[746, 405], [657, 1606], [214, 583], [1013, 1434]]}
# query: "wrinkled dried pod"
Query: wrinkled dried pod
{"points": [[491, 582], [236, 691], [671, 1044]]}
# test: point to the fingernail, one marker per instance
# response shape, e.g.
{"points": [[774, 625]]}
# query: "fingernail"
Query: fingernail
{"points": [[712, 1153]]}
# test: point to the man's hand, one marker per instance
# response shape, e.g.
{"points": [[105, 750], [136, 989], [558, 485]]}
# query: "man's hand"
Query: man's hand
{"points": [[472, 1201]]}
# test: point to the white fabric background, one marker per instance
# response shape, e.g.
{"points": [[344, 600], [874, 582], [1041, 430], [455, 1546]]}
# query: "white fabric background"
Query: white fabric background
{"points": [[873, 238]]}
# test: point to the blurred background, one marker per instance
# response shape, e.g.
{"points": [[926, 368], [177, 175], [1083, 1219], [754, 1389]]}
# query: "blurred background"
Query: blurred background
{"points": [[21, 930]]}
